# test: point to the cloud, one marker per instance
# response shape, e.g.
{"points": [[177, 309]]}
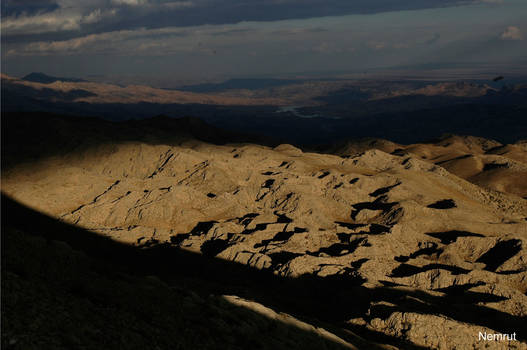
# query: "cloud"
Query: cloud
{"points": [[93, 43], [330, 48], [68, 15], [231, 31], [45, 22], [161, 41], [29, 7], [512, 33], [433, 40], [129, 2], [31, 22], [376, 45], [299, 30], [177, 4]]}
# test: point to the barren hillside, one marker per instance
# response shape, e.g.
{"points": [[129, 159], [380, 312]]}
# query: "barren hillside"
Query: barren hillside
{"points": [[90, 92], [424, 245]]}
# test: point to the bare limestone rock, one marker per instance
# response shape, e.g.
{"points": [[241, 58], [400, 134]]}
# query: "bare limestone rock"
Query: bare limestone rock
{"points": [[419, 236]]}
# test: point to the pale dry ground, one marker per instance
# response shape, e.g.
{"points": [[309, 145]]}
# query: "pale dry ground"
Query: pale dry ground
{"points": [[486, 163], [453, 89], [372, 219]]}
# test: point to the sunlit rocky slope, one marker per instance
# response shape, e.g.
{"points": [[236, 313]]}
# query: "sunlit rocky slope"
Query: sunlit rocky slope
{"points": [[424, 244]]}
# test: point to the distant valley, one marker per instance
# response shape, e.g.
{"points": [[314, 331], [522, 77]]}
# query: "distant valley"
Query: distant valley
{"points": [[336, 110]]}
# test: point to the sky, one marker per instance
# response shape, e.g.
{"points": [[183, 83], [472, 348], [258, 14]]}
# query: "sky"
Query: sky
{"points": [[203, 40]]}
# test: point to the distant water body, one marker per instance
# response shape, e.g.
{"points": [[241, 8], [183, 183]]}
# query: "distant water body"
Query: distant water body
{"points": [[294, 110]]}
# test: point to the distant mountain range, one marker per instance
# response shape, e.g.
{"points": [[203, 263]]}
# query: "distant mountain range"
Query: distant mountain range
{"points": [[45, 88], [319, 112], [42, 78]]}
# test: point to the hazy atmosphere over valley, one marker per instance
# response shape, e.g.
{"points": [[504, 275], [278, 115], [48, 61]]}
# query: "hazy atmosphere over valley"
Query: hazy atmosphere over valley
{"points": [[271, 174]]}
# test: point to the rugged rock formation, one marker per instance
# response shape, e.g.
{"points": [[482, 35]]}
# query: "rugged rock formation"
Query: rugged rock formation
{"points": [[486, 163], [399, 244], [56, 296]]}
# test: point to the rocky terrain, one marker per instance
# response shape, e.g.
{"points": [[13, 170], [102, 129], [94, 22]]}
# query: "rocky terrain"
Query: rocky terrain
{"points": [[377, 245], [486, 163]]}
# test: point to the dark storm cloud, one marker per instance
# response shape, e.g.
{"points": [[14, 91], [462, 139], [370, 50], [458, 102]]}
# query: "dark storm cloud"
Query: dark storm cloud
{"points": [[97, 16], [227, 12], [18, 7]]}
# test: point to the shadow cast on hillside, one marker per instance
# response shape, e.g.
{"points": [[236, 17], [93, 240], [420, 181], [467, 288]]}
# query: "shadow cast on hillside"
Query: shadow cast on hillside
{"points": [[28, 137], [41, 134], [316, 300]]}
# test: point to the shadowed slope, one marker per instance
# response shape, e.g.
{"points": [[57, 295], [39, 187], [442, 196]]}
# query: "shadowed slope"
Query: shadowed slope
{"points": [[28, 137], [108, 295], [88, 272]]}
